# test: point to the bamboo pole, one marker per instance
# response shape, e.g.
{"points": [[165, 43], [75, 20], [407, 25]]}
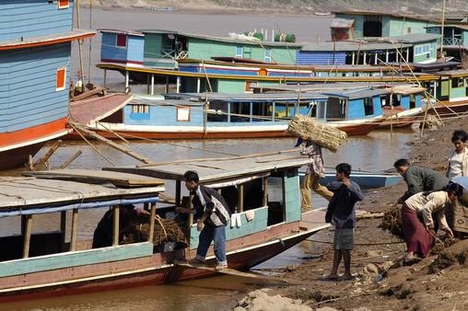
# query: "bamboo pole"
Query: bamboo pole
{"points": [[74, 230], [70, 160], [27, 236], [115, 231], [41, 162], [152, 218], [134, 155]]}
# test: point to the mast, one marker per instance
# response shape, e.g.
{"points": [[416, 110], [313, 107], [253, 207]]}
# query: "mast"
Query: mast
{"points": [[442, 31]]}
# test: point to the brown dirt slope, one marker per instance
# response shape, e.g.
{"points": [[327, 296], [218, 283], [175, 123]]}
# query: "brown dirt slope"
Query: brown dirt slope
{"points": [[382, 283]]}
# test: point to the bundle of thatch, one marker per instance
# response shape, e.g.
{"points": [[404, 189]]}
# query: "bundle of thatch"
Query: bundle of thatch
{"points": [[391, 222], [322, 134], [166, 230]]}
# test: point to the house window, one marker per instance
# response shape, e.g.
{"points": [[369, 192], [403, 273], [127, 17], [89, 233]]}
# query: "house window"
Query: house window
{"points": [[140, 109], [63, 4], [121, 40], [61, 77], [267, 56], [239, 51], [183, 114], [368, 106]]}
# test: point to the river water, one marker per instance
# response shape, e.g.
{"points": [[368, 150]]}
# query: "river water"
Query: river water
{"points": [[376, 151]]}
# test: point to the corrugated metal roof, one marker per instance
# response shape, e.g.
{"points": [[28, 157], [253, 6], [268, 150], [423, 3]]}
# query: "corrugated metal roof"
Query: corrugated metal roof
{"points": [[219, 169], [255, 97], [124, 32], [223, 39], [338, 22], [348, 46], [355, 94], [415, 38], [402, 16]]}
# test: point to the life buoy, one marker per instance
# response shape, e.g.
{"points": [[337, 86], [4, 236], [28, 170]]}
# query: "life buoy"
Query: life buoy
{"points": [[262, 72]]}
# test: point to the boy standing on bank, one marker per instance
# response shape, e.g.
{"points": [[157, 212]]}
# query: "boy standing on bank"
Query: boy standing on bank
{"points": [[341, 214]]}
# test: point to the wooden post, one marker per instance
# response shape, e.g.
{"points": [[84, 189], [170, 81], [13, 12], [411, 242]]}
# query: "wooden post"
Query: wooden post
{"points": [[105, 79], [178, 193], [74, 230], [115, 232], [265, 191], [27, 235], [152, 217], [63, 228], [240, 193]]}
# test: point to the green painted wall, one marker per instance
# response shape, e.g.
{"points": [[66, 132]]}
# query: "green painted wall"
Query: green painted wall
{"points": [[292, 197], [258, 224], [199, 48], [391, 26], [154, 56], [75, 259], [425, 52], [399, 27]]}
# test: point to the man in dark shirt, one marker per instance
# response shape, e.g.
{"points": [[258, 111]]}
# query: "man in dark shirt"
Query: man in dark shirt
{"points": [[342, 215], [419, 178]]}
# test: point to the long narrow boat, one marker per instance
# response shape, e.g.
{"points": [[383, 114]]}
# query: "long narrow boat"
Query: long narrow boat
{"points": [[356, 111], [35, 48], [368, 179], [262, 190]]}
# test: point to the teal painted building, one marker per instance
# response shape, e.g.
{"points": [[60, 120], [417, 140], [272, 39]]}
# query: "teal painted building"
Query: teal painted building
{"points": [[374, 24], [163, 48]]}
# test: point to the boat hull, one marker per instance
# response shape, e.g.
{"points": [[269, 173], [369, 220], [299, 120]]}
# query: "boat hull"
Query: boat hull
{"points": [[17, 147], [156, 269]]}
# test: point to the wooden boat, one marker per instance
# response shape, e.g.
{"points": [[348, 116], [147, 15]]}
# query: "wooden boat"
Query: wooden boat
{"points": [[368, 179], [35, 75], [218, 115], [262, 190]]}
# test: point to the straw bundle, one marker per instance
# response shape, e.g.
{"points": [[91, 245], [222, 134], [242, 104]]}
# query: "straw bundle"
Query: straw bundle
{"points": [[166, 230], [324, 135]]}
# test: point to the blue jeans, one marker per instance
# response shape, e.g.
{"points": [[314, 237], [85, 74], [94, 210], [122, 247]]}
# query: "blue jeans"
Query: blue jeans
{"points": [[216, 234]]}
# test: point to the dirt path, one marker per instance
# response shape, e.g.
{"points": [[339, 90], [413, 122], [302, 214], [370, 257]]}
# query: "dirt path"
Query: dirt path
{"points": [[435, 283]]}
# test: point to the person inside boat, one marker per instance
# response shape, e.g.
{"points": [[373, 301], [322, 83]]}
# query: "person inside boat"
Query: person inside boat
{"points": [[212, 214], [128, 218], [419, 178], [458, 158], [421, 215], [315, 171], [341, 214]]}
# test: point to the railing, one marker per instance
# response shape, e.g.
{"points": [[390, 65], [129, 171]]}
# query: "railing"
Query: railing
{"points": [[452, 41]]}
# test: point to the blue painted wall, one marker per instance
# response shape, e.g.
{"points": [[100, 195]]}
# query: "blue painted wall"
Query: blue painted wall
{"points": [[28, 94], [321, 58], [133, 52], [31, 18]]}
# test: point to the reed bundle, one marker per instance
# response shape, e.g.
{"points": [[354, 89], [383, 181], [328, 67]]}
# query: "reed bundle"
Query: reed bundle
{"points": [[391, 222], [165, 230], [327, 136]]}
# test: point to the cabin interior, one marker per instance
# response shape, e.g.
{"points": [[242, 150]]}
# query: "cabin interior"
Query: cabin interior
{"points": [[64, 231]]}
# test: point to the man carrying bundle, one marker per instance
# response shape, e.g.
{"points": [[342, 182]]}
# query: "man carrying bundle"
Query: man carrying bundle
{"points": [[315, 171]]}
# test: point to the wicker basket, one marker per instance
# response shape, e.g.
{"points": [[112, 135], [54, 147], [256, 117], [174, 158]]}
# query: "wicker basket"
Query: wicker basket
{"points": [[327, 136]]}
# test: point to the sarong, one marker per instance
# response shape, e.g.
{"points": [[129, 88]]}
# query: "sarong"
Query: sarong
{"points": [[418, 239]]}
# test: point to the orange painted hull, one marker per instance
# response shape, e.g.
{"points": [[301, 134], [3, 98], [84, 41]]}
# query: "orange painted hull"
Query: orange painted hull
{"points": [[16, 147]]}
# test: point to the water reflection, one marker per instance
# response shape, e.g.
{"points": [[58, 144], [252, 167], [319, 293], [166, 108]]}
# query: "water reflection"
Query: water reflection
{"points": [[213, 294], [376, 151]]}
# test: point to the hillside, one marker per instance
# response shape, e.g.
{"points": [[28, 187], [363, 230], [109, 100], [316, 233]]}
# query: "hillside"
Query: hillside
{"points": [[419, 7]]}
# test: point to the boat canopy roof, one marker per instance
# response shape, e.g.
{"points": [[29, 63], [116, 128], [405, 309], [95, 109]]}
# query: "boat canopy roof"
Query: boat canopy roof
{"points": [[255, 97], [211, 170], [61, 190], [356, 94]]}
